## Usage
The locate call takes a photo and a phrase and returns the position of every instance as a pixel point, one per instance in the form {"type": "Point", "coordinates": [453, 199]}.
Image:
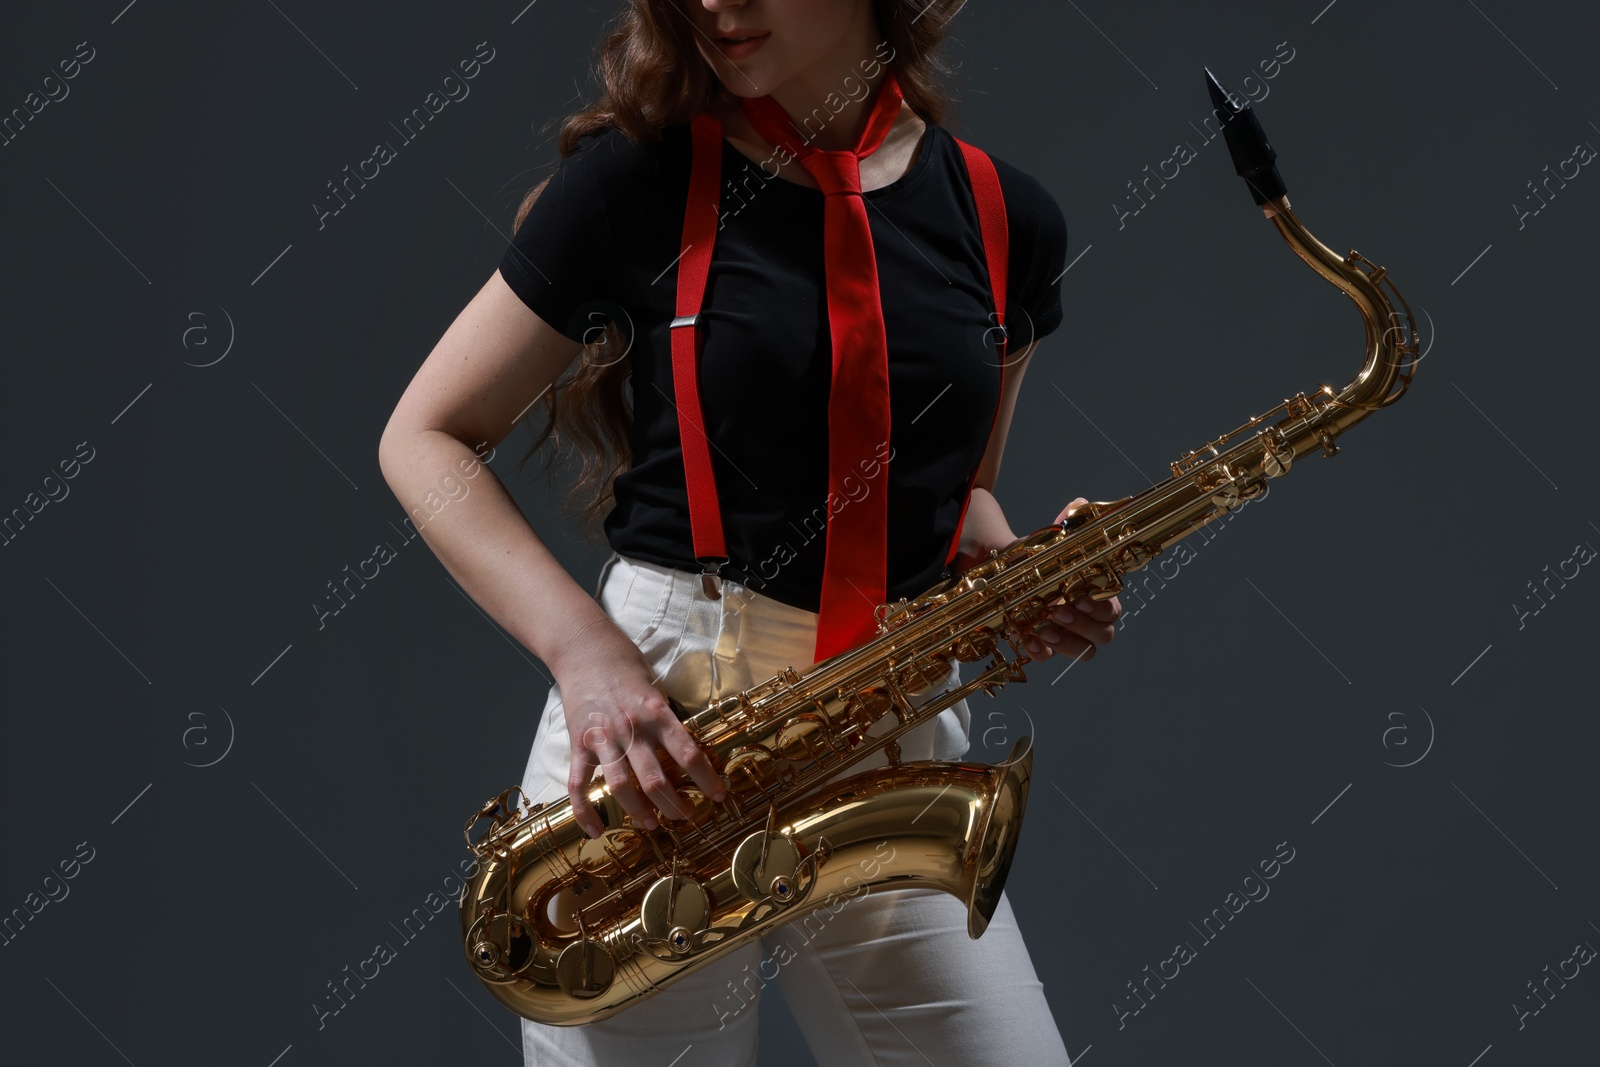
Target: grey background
{"type": "Point", "coordinates": [1364, 617]}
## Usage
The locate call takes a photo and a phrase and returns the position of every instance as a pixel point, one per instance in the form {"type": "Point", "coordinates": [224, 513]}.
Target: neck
{"type": "Point", "coordinates": [812, 96]}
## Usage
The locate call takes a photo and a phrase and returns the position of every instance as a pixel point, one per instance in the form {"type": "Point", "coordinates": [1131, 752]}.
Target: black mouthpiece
{"type": "Point", "coordinates": [1252, 153]}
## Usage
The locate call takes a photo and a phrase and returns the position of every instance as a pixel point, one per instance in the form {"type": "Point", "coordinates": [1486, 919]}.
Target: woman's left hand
{"type": "Point", "coordinates": [1078, 629]}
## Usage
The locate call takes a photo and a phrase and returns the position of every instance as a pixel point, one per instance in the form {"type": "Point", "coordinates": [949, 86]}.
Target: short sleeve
{"type": "Point", "coordinates": [1038, 255]}
{"type": "Point", "coordinates": [561, 261]}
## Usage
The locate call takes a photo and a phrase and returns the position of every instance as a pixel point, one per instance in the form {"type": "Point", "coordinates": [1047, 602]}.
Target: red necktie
{"type": "Point", "coordinates": [856, 562]}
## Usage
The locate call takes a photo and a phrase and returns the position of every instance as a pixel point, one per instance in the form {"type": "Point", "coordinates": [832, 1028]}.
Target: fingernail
{"type": "Point", "coordinates": [1052, 637]}
{"type": "Point", "coordinates": [720, 797]}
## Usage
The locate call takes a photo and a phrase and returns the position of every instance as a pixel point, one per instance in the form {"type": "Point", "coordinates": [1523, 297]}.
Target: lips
{"type": "Point", "coordinates": [737, 45]}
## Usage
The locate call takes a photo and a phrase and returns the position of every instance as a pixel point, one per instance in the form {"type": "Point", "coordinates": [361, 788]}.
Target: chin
{"type": "Point", "coordinates": [755, 81]}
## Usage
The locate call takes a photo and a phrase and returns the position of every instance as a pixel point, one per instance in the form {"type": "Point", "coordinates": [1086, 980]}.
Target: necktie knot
{"type": "Point", "coordinates": [835, 172]}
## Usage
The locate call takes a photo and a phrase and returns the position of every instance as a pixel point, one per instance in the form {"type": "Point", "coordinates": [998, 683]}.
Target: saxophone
{"type": "Point", "coordinates": [564, 929]}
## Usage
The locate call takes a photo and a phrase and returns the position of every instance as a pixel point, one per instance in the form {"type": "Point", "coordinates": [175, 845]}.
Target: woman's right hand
{"type": "Point", "coordinates": [617, 719]}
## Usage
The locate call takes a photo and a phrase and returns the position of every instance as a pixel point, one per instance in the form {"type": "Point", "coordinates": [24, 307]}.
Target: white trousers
{"type": "Point", "coordinates": [886, 977]}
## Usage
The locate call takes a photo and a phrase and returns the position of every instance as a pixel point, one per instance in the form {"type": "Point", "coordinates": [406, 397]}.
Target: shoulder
{"type": "Point", "coordinates": [1037, 233]}
{"type": "Point", "coordinates": [613, 160]}
{"type": "Point", "coordinates": [1032, 214]}
{"type": "Point", "coordinates": [1031, 209]}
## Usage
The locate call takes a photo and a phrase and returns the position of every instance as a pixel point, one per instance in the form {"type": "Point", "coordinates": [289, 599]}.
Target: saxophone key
{"type": "Point", "coordinates": [1100, 583]}
{"type": "Point", "coordinates": [765, 866]}
{"type": "Point", "coordinates": [864, 708]}
{"type": "Point", "coordinates": [752, 769]}
{"type": "Point", "coordinates": [1277, 454]}
{"type": "Point", "coordinates": [803, 738]}
{"type": "Point", "coordinates": [499, 945]}
{"type": "Point", "coordinates": [584, 969]}
{"type": "Point", "coordinates": [672, 904]}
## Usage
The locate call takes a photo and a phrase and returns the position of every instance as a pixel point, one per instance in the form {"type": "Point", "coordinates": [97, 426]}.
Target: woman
{"type": "Point", "coordinates": [593, 268]}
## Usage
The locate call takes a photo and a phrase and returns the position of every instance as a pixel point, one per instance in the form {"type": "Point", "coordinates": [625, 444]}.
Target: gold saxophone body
{"type": "Point", "coordinates": [564, 929]}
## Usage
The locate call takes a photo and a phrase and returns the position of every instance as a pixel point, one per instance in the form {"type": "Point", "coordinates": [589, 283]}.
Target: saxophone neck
{"type": "Point", "coordinates": [1392, 348]}
{"type": "Point", "coordinates": [1392, 340]}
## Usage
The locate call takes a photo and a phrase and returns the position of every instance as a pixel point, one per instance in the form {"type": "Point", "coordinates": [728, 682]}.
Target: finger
{"type": "Point", "coordinates": [1071, 640]}
{"type": "Point", "coordinates": [1104, 610]}
{"type": "Point", "coordinates": [1075, 502]}
{"type": "Point", "coordinates": [615, 767]}
{"type": "Point", "coordinates": [1051, 634]}
{"type": "Point", "coordinates": [655, 784]}
{"type": "Point", "coordinates": [1085, 607]}
{"type": "Point", "coordinates": [579, 778]}
{"type": "Point", "coordinates": [1074, 648]}
{"type": "Point", "coordinates": [682, 747]}
{"type": "Point", "coordinates": [1098, 632]}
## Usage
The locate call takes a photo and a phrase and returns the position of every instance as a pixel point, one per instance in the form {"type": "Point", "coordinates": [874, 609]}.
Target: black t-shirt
{"type": "Point", "coordinates": [602, 242]}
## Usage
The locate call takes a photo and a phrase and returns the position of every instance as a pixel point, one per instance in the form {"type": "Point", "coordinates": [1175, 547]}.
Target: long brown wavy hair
{"type": "Point", "coordinates": [653, 76]}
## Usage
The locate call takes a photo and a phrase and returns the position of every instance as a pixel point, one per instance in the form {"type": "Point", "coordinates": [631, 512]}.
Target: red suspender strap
{"type": "Point", "coordinates": [996, 248]}
{"type": "Point", "coordinates": [694, 264]}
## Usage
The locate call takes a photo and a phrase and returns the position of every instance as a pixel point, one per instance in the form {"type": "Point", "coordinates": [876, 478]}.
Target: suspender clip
{"type": "Point", "coordinates": [711, 575]}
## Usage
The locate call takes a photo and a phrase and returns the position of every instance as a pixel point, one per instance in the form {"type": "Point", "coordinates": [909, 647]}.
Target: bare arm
{"type": "Point", "coordinates": [1076, 632]}
{"type": "Point", "coordinates": [492, 361]}
{"type": "Point", "coordinates": [496, 359]}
